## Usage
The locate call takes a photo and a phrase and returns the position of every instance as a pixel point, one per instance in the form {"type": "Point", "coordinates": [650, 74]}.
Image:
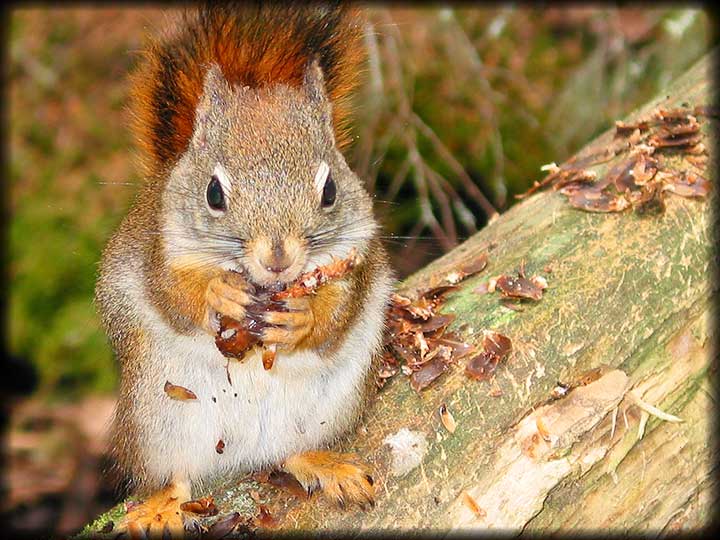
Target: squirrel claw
{"type": "Point", "coordinates": [227, 294]}
{"type": "Point", "coordinates": [341, 477]}
{"type": "Point", "coordinates": [159, 516]}
{"type": "Point", "coordinates": [289, 328]}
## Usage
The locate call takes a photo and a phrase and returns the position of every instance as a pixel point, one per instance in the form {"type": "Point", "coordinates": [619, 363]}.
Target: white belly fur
{"type": "Point", "coordinates": [303, 402]}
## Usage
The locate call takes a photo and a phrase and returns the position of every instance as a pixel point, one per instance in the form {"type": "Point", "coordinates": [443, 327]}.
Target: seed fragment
{"type": "Point", "coordinates": [179, 393]}
{"type": "Point", "coordinates": [447, 418]}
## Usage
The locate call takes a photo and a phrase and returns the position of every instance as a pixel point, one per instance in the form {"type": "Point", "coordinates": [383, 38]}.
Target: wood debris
{"type": "Point", "coordinates": [519, 287]}
{"type": "Point", "coordinates": [418, 343]}
{"type": "Point", "coordinates": [223, 527]}
{"type": "Point", "coordinates": [287, 482]}
{"type": "Point", "coordinates": [447, 419]}
{"type": "Point", "coordinates": [264, 518]}
{"type": "Point", "coordinates": [235, 338]}
{"type": "Point", "coordinates": [204, 506]}
{"type": "Point", "coordinates": [642, 176]}
{"type": "Point", "coordinates": [496, 347]}
{"type": "Point", "coordinates": [472, 504]}
{"type": "Point", "coordinates": [179, 393]}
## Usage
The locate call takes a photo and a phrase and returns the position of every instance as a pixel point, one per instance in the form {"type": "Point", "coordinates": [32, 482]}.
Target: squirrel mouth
{"type": "Point", "coordinates": [268, 277]}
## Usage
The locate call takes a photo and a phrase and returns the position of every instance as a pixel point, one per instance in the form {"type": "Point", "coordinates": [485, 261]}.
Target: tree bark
{"type": "Point", "coordinates": [626, 292]}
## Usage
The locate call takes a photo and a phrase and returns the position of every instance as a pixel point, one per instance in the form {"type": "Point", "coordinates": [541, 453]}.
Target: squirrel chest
{"type": "Point", "coordinates": [261, 416]}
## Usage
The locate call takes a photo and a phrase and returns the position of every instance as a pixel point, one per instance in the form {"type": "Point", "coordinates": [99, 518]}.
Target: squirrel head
{"type": "Point", "coordinates": [262, 186]}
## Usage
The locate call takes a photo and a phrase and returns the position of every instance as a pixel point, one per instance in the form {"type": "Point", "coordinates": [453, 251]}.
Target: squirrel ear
{"type": "Point", "coordinates": [215, 87]}
{"type": "Point", "coordinates": [214, 99]}
{"type": "Point", "coordinates": [314, 83]}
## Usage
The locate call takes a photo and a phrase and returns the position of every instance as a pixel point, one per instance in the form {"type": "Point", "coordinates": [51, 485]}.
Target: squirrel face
{"type": "Point", "coordinates": [262, 187]}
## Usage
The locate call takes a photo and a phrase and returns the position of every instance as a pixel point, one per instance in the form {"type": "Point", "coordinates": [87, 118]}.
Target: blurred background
{"type": "Point", "coordinates": [460, 108]}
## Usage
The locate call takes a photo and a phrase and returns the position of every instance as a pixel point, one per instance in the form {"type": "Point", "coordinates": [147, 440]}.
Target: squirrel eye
{"type": "Point", "coordinates": [215, 195]}
{"type": "Point", "coordinates": [329, 193]}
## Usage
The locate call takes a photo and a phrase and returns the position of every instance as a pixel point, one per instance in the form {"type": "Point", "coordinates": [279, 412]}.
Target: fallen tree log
{"type": "Point", "coordinates": [624, 325]}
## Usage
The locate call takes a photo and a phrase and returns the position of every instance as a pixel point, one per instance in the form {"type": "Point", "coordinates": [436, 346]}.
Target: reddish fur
{"type": "Point", "coordinates": [254, 46]}
{"type": "Point", "coordinates": [330, 314]}
{"type": "Point", "coordinates": [186, 290]}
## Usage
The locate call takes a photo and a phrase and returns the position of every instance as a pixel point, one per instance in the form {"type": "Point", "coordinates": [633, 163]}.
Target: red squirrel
{"type": "Point", "coordinates": [239, 111]}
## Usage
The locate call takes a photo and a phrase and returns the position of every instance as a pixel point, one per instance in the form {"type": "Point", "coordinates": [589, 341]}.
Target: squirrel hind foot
{"type": "Point", "coordinates": [159, 516]}
{"type": "Point", "coordinates": [342, 478]}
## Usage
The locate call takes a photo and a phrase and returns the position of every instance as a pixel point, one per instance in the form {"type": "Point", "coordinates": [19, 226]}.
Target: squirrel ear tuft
{"type": "Point", "coordinates": [214, 99]}
{"type": "Point", "coordinates": [215, 89]}
{"type": "Point", "coordinates": [314, 82]}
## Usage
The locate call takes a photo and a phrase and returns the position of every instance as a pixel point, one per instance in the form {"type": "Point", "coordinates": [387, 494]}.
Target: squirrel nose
{"type": "Point", "coordinates": [277, 260]}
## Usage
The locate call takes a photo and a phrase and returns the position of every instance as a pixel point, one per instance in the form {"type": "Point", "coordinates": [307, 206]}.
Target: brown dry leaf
{"type": "Point", "coordinates": [264, 518]}
{"type": "Point", "coordinates": [495, 348]}
{"type": "Point", "coordinates": [288, 482]}
{"type": "Point", "coordinates": [597, 201]}
{"type": "Point", "coordinates": [459, 348]}
{"type": "Point", "coordinates": [447, 418]}
{"type": "Point", "coordinates": [399, 300]}
{"type": "Point", "coordinates": [576, 177]}
{"type": "Point", "coordinates": [650, 199]}
{"type": "Point", "coordinates": [518, 287]}
{"type": "Point", "coordinates": [623, 177]}
{"type": "Point", "coordinates": [204, 506]}
{"type": "Point", "coordinates": [497, 343]}
{"type": "Point", "coordinates": [474, 266]}
{"type": "Point", "coordinates": [436, 322]}
{"type": "Point", "coordinates": [386, 369]}
{"type": "Point", "coordinates": [179, 393]}
{"type": "Point", "coordinates": [644, 169]}
{"type": "Point", "coordinates": [482, 366]}
{"type": "Point", "coordinates": [668, 141]}
{"type": "Point", "coordinates": [688, 184]}
{"type": "Point", "coordinates": [405, 350]}
{"type": "Point", "coordinates": [224, 526]}
{"type": "Point", "coordinates": [627, 128]}
{"type": "Point", "coordinates": [676, 130]}
{"type": "Point", "coordinates": [430, 371]}
{"type": "Point", "coordinates": [420, 309]}
{"type": "Point", "coordinates": [435, 293]}
{"type": "Point", "coordinates": [674, 115]}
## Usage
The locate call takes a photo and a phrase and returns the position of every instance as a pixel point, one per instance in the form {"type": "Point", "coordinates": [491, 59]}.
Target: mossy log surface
{"type": "Point", "coordinates": [627, 292]}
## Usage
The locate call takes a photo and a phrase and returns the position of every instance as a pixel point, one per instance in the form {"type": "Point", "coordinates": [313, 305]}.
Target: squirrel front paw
{"type": "Point", "coordinates": [289, 328]}
{"type": "Point", "coordinates": [227, 294]}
